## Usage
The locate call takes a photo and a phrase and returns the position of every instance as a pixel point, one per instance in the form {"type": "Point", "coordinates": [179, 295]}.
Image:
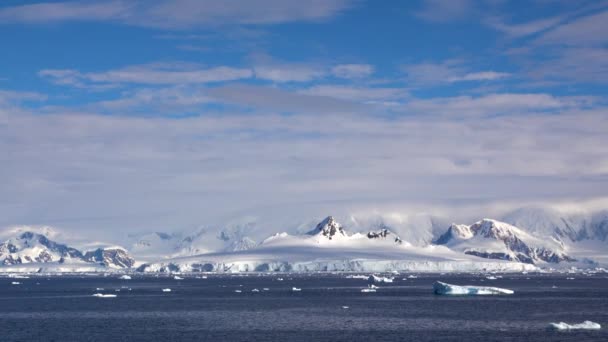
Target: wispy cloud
{"type": "Point", "coordinates": [352, 71]}
{"type": "Point", "coordinates": [358, 94]}
{"type": "Point", "coordinates": [176, 14]}
{"type": "Point", "coordinates": [442, 11]}
{"type": "Point", "coordinates": [159, 74]}
{"type": "Point", "coordinates": [449, 71]}
{"type": "Point", "coordinates": [480, 76]}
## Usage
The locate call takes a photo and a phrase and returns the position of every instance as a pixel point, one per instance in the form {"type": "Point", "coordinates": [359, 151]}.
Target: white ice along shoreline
{"type": "Point", "coordinates": [586, 325]}
{"type": "Point", "coordinates": [485, 246]}
{"type": "Point", "coordinates": [442, 288]}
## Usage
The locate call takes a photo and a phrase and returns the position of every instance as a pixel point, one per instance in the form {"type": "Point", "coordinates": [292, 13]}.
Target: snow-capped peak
{"type": "Point", "coordinates": [329, 228]}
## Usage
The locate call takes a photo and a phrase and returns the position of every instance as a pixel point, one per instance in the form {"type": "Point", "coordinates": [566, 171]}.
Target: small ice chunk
{"type": "Point", "coordinates": [295, 289]}
{"type": "Point", "coordinates": [238, 291]}
{"type": "Point", "coordinates": [15, 283]}
{"type": "Point", "coordinates": [441, 288]}
{"type": "Point", "coordinates": [255, 290]}
{"type": "Point", "coordinates": [265, 289]}
{"type": "Point", "coordinates": [491, 278]}
{"type": "Point", "coordinates": [178, 278]}
{"type": "Point", "coordinates": [99, 289]}
{"type": "Point", "coordinates": [586, 325]}
{"type": "Point", "coordinates": [279, 279]}
{"type": "Point", "coordinates": [411, 276]}
{"type": "Point", "coordinates": [368, 290]}
{"type": "Point", "coordinates": [166, 290]}
{"type": "Point", "coordinates": [372, 279]}
{"type": "Point", "coordinates": [125, 277]}
{"type": "Point", "coordinates": [101, 295]}
{"type": "Point", "coordinates": [345, 307]}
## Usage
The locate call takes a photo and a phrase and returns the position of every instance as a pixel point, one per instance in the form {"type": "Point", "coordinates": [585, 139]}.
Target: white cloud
{"type": "Point", "coordinates": [480, 76]}
{"type": "Point", "coordinates": [158, 74]}
{"type": "Point", "coordinates": [496, 104]}
{"type": "Point", "coordinates": [351, 71]}
{"type": "Point", "coordinates": [177, 14]}
{"type": "Point", "coordinates": [85, 170]}
{"type": "Point", "coordinates": [358, 94]}
{"type": "Point", "coordinates": [449, 71]}
{"type": "Point", "coordinates": [287, 73]}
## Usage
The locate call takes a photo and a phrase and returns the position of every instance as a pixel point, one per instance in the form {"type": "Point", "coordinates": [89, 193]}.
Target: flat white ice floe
{"type": "Point", "coordinates": [368, 290]}
{"type": "Point", "coordinates": [166, 290]}
{"type": "Point", "coordinates": [15, 283]}
{"type": "Point", "coordinates": [586, 325]}
{"type": "Point", "coordinates": [101, 295]}
{"type": "Point", "coordinates": [238, 291]}
{"type": "Point", "coordinates": [442, 288]}
{"type": "Point", "coordinates": [296, 289]}
{"type": "Point", "coordinates": [178, 278]}
{"type": "Point", "coordinates": [125, 277]}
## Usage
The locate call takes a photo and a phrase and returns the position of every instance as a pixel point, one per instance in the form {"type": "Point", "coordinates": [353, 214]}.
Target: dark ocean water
{"type": "Point", "coordinates": [62, 309]}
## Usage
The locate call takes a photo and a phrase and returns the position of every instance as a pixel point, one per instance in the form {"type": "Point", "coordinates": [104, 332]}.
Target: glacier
{"type": "Point", "coordinates": [442, 288]}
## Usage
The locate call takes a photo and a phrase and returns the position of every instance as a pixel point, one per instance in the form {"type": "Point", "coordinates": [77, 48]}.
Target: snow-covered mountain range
{"type": "Point", "coordinates": [523, 239]}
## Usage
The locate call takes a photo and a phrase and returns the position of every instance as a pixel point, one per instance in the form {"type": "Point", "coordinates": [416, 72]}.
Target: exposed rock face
{"type": "Point", "coordinates": [383, 234]}
{"type": "Point", "coordinates": [30, 247]}
{"type": "Point", "coordinates": [516, 245]}
{"type": "Point", "coordinates": [110, 257]}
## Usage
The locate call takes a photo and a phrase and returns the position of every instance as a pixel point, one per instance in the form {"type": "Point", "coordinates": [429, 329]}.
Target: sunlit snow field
{"type": "Point", "coordinates": [250, 307]}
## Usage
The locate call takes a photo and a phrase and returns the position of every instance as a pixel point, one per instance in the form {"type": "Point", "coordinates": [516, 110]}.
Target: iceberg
{"type": "Point", "coordinates": [15, 283]}
{"type": "Point", "coordinates": [442, 288]}
{"type": "Point", "coordinates": [586, 325]}
{"type": "Point", "coordinates": [166, 290]}
{"type": "Point", "coordinates": [238, 291]}
{"type": "Point", "coordinates": [101, 295]}
{"type": "Point", "coordinates": [295, 289]}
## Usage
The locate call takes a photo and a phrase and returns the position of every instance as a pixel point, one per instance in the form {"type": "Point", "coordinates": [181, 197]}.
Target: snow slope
{"type": "Point", "coordinates": [498, 240]}
{"type": "Point", "coordinates": [330, 248]}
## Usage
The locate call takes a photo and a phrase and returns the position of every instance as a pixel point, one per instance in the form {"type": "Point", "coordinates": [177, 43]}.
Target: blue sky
{"type": "Point", "coordinates": [169, 113]}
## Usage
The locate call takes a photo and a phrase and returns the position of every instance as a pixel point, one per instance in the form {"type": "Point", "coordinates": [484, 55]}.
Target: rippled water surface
{"type": "Point", "coordinates": [63, 309]}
